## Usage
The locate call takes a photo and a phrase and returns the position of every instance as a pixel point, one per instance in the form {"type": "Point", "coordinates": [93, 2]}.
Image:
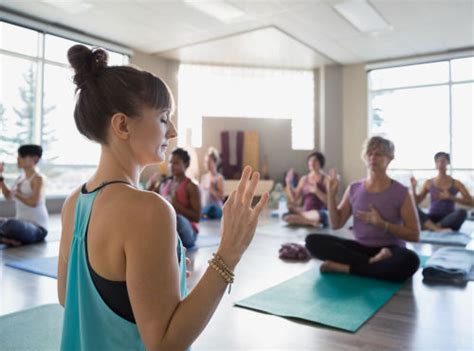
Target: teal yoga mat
{"type": "Point", "coordinates": [36, 329]}
{"type": "Point", "coordinates": [336, 300]}
{"type": "Point", "coordinates": [47, 266]}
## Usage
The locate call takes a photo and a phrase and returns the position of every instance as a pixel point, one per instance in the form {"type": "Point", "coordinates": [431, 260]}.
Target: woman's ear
{"type": "Point", "coordinates": [120, 126]}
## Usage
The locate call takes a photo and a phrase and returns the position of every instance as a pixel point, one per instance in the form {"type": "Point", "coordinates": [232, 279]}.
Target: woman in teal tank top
{"type": "Point", "coordinates": [118, 238]}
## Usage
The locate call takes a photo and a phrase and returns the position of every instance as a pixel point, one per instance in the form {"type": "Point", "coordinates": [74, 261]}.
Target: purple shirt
{"type": "Point", "coordinates": [441, 208]}
{"type": "Point", "coordinates": [388, 203]}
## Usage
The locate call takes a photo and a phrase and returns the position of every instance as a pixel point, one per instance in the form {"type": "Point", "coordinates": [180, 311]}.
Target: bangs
{"type": "Point", "coordinates": [158, 95]}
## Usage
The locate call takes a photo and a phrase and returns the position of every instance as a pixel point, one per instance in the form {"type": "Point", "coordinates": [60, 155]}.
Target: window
{"type": "Point", "coordinates": [37, 104]}
{"type": "Point", "coordinates": [423, 109]}
{"type": "Point", "coordinates": [247, 93]}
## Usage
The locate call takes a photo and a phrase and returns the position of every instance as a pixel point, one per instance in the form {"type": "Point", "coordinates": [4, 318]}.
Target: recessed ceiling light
{"type": "Point", "coordinates": [71, 6]}
{"type": "Point", "coordinates": [219, 9]}
{"type": "Point", "coordinates": [362, 15]}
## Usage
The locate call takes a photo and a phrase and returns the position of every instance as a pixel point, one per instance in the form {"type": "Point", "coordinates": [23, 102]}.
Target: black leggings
{"type": "Point", "coordinates": [401, 265]}
{"type": "Point", "coordinates": [454, 220]}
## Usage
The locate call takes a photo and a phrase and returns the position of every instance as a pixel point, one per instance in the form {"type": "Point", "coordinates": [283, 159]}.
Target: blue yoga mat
{"type": "Point", "coordinates": [47, 266]}
{"type": "Point", "coordinates": [337, 300]}
{"type": "Point", "coordinates": [454, 238]}
{"type": "Point", "coordinates": [36, 329]}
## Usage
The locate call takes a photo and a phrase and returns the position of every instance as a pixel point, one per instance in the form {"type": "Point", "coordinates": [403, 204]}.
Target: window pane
{"type": "Point", "coordinates": [18, 39]}
{"type": "Point", "coordinates": [62, 142]}
{"type": "Point", "coordinates": [416, 120]}
{"type": "Point", "coordinates": [69, 158]}
{"type": "Point", "coordinates": [463, 125]}
{"type": "Point", "coordinates": [56, 50]}
{"type": "Point", "coordinates": [462, 69]}
{"type": "Point", "coordinates": [424, 74]}
{"type": "Point", "coordinates": [467, 178]}
{"type": "Point", "coordinates": [17, 105]}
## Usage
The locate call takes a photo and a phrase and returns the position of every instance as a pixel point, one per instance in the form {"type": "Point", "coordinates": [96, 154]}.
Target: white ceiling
{"type": "Point", "coordinates": [273, 33]}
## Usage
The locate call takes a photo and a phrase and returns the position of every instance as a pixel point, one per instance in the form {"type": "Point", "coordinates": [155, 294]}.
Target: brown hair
{"type": "Point", "coordinates": [104, 91]}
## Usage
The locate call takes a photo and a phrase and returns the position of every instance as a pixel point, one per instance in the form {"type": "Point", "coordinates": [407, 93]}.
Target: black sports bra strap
{"type": "Point", "coordinates": [103, 185]}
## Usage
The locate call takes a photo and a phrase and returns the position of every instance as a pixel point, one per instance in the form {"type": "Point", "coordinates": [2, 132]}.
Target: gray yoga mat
{"type": "Point", "coordinates": [454, 238]}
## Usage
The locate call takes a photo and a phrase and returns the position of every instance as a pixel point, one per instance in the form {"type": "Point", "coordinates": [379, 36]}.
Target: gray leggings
{"type": "Point", "coordinates": [454, 220]}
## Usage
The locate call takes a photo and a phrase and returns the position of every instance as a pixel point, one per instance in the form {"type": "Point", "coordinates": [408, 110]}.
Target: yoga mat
{"type": "Point", "coordinates": [3, 246]}
{"type": "Point", "coordinates": [454, 238]}
{"type": "Point", "coordinates": [337, 300]}
{"type": "Point", "coordinates": [47, 266]}
{"type": "Point", "coordinates": [36, 329]}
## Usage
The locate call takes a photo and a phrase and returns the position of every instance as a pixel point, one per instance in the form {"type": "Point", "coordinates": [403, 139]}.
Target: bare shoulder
{"type": "Point", "coordinates": [145, 207]}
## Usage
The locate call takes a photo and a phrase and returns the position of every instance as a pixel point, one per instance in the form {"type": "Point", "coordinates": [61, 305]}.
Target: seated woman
{"type": "Point", "coordinates": [184, 195]}
{"type": "Point", "coordinates": [384, 219]}
{"type": "Point", "coordinates": [31, 222]}
{"type": "Point", "coordinates": [443, 190]}
{"type": "Point", "coordinates": [311, 191]}
{"type": "Point", "coordinates": [212, 187]}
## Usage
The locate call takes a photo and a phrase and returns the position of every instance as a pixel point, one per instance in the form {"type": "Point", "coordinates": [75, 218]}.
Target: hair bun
{"type": "Point", "coordinates": [86, 63]}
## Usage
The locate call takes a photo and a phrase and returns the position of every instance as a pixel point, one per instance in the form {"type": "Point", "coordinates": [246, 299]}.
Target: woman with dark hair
{"type": "Point", "coordinates": [443, 190]}
{"type": "Point", "coordinates": [311, 192]}
{"type": "Point", "coordinates": [121, 271]}
{"type": "Point", "coordinates": [184, 195]}
{"type": "Point", "coordinates": [384, 219]}
{"type": "Point", "coordinates": [30, 224]}
{"type": "Point", "coordinates": [212, 187]}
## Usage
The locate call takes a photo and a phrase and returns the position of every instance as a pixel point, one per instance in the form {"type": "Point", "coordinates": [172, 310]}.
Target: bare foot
{"type": "Point", "coordinates": [10, 241]}
{"type": "Point", "coordinates": [331, 266]}
{"type": "Point", "coordinates": [444, 230]}
{"type": "Point", "coordinates": [299, 220]}
{"type": "Point", "coordinates": [382, 255]}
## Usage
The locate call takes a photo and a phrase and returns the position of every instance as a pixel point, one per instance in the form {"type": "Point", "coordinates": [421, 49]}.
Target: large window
{"type": "Point", "coordinates": [214, 91]}
{"type": "Point", "coordinates": [37, 104]}
{"type": "Point", "coordinates": [426, 108]}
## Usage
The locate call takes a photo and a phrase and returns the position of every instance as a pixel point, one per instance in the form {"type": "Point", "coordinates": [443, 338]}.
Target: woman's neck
{"type": "Point", "coordinates": [115, 167]}
{"type": "Point", "coordinates": [379, 178]}
{"type": "Point", "coordinates": [29, 171]}
{"type": "Point", "coordinates": [179, 177]}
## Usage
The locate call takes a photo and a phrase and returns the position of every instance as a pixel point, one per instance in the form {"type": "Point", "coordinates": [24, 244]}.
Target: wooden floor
{"type": "Point", "coordinates": [418, 317]}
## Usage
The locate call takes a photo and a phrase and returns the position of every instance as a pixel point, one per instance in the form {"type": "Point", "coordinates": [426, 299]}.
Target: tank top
{"type": "Point", "coordinates": [36, 214]}
{"type": "Point", "coordinates": [89, 324]}
{"type": "Point", "coordinates": [206, 197]}
{"type": "Point", "coordinates": [387, 202]}
{"type": "Point", "coordinates": [310, 200]}
{"type": "Point", "coordinates": [170, 189]}
{"type": "Point", "coordinates": [441, 208]}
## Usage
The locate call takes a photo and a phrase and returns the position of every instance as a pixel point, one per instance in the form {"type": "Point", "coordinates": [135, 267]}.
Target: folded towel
{"type": "Point", "coordinates": [450, 264]}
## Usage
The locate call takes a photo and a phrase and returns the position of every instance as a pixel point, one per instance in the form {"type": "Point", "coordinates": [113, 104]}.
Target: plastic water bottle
{"type": "Point", "coordinates": [282, 205]}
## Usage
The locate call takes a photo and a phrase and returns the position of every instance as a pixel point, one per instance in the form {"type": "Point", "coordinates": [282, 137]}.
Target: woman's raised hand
{"type": "Point", "coordinates": [332, 182]}
{"type": "Point", "coordinates": [239, 218]}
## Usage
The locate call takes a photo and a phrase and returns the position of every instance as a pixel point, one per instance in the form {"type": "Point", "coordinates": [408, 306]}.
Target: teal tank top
{"type": "Point", "coordinates": [89, 324]}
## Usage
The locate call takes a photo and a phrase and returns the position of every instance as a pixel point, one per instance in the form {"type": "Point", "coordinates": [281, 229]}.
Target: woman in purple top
{"type": "Point", "coordinates": [443, 190]}
{"type": "Point", "coordinates": [311, 192]}
{"type": "Point", "coordinates": [384, 219]}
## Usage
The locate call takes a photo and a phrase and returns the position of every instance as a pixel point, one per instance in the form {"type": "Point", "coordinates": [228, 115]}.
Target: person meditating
{"type": "Point", "coordinates": [184, 195]}
{"type": "Point", "coordinates": [443, 190]}
{"type": "Point", "coordinates": [311, 191]}
{"type": "Point", "coordinates": [212, 187]}
{"type": "Point", "coordinates": [30, 224]}
{"type": "Point", "coordinates": [384, 219]}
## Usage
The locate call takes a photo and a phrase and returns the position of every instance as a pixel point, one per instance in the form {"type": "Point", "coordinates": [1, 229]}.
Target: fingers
{"type": "Point", "coordinates": [250, 191]}
{"type": "Point", "coordinates": [231, 199]}
{"type": "Point", "coordinates": [243, 181]}
{"type": "Point", "coordinates": [261, 204]}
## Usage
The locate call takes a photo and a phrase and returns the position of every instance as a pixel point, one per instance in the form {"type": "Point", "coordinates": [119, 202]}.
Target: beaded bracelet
{"type": "Point", "coordinates": [221, 267]}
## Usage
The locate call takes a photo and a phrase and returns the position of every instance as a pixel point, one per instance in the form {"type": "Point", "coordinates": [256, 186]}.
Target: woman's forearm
{"type": "Point", "coordinates": [401, 231]}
